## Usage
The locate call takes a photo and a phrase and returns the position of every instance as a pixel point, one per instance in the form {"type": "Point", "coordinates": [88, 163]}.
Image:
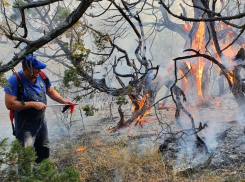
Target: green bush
{"type": "Point", "coordinates": [89, 110]}
{"type": "Point", "coordinates": [14, 157]}
{"type": "Point", "coordinates": [3, 80]}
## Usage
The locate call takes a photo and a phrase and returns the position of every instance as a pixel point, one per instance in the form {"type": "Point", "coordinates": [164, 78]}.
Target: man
{"type": "Point", "coordinates": [30, 122]}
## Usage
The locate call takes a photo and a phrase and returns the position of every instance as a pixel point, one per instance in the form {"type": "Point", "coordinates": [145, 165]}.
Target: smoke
{"type": "Point", "coordinates": [5, 124]}
{"type": "Point", "coordinates": [227, 62]}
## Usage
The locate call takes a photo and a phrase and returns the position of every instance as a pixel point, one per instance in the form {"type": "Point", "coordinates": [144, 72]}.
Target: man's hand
{"type": "Point", "coordinates": [12, 103]}
{"type": "Point", "coordinates": [39, 105]}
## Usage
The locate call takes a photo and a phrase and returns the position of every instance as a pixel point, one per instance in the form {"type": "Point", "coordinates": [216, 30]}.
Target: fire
{"type": "Point", "coordinates": [131, 132]}
{"type": "Point", "coordinates": [199, 77]}
{"type": "Point", "coordinates": [184, 80]}
{"type": "Point", "coordinates": [188, 64]}
{"type": "Point", "coordinates": [198, 66]}
{"type": "Point", "coordinates": [230, 33]}
{"type": "Point", "coordinates": [230, 76]}
{"type": "Point", "coordinates": [218, 102]}
{"type": "Point", "coordinates": [230, 52]}
{"type": "Point", "coordinates": [199, 44]}
{"type": "Point", "coordinates": [141, 104]}
{"type": "Point", "coordinates": [186, 27]}
{"type": "Point", "coordinates": [97, 143]}
{"type": "Point", "coordinates": [160, 106]}
{"type": "Point", "coordinates": [82, 148]}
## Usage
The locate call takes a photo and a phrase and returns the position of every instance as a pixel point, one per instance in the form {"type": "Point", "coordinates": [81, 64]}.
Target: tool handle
{"type": "Point", "coordinates": [65, 108]}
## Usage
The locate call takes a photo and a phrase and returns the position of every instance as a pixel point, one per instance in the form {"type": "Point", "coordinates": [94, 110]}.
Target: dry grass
{"type": "Point", "coordinates": [119, 161]}
{"type": "Point", "coordinates": [116, 162]}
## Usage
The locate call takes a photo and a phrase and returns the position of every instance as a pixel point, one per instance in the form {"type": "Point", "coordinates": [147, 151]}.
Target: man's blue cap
{"type": "Point", "coordinates": [35, 62]}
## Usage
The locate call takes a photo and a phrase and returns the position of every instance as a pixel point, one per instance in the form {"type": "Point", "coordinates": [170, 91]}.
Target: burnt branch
{"type": "Point", "coordinates": [121, 75]}
{"type": "Point", "coordinates": [127, 18]}
{"type": "Point", "coordinates": [105, 10]}
{"type": "Point", "coordinates": [36, 4]}
{"type": "Point", "coordinates": [224, 70]}
{"type": "Point", "coordinates": [35, 45]}
{"type": "Point", "coordinates": [239, 35]}
{"type": "Point", "coordinates": [218, 18]}
{"type": "Point", "coordinates": [123, 51]}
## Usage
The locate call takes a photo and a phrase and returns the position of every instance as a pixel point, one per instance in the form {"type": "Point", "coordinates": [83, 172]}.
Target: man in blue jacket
{"type": "Point", "coordinates": [30, 121]}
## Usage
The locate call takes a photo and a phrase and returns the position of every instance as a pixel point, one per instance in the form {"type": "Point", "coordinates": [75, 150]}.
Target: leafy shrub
{"type": "Point", "coordinates": [71, 76]}
{"type": "Point", "coordinates": [121, 100]}
{"type": "Point", "coordinates": [15, 158]}
{"type": "Point", "coordinates": [89, 110]}
{"type": "Point", "coordinates": [3, 80]}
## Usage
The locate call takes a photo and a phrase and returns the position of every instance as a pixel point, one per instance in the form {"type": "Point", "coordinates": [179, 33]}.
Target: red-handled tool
{"type": "Point", "coordinates": [67, 106]}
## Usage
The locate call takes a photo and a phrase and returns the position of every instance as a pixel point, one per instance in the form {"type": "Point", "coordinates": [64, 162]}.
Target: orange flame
{"type": "Point", "coordinates": [97, 143]}
{"type": "Point", "coordinates": [186, 27]}
{"type": "Point", "coordinates": [184, 80]}
{"type": "Point", "coordinates": [199, 77]}
{"type": "Point", "coordinates": [82, 148]}
{"type": "Point", "coordinates": [199, 37]}
{"type": "Point", "coordinates": [131, 132]}
{"type": "Point", "coordinates": [230, 52]}
{"type": "Point", "coordinates": [141, 104]}
{"type": "Point", "coordinates": [188, 64]}
{"type": "Point", "coordinates": [199, 44]}
{"type": "Point", "coordinates": [230, 77]}
{"type": "Point", "coordinates": [218, 103]}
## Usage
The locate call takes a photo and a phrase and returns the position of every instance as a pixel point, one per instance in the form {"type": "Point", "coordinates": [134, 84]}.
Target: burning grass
{"type": "Point", "coordinates": [115, 162]}
{"type": "Point", "coordinates": [122, 161]}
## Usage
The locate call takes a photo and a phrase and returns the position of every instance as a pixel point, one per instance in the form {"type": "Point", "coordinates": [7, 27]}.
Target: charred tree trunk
{"type": "Point", "coordinates": [191, 90]}
{"type": "Point", "coordinates": [237, 90]}
{"type": "Point", "coordinates": [205, 81]}
{"type": "Point", "coordinates": [238, 87]}
{"type": "Point", "coordinates": [221, 81]}
{"type": "Point", "coordinates": [199, 39]}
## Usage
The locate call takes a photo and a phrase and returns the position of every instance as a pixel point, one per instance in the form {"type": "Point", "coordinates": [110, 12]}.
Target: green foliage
{"type": "Point", "coordinates": [6, 3]}
{"type": "Point", "coordinates": [20, 2]}
{"type": "Point", "coordinates": [130, 89]}
{"type": "Point", "coordinates": [100, 40]}
{"type": "Point", "coordinates": [78, 98]}
{"type": "Point", "coordinates": [80, 57]}
{"type": "Point", "coordinates": [64, 44]}
{"type": "Point", "coordinates": [62, 14]}
{"type": "Point", "coordinates": [69, 175]}
{"type": "Point", "coordinates": [81, 54]}
{"type": "Point", "coordinates": [23, 158]}
{"type": "Point", "coordinates": [102, 61]}
{"type": "Point", "coordinates": [16, 13]}
{"type": "Point", "coordinates": [89, 110]}
{"type": "Point", "coordinates": [121, 100]}
{"type": "Point", "coordinates": [3, 80]}
{"type": "Point", "coordinates": [71, 77]}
